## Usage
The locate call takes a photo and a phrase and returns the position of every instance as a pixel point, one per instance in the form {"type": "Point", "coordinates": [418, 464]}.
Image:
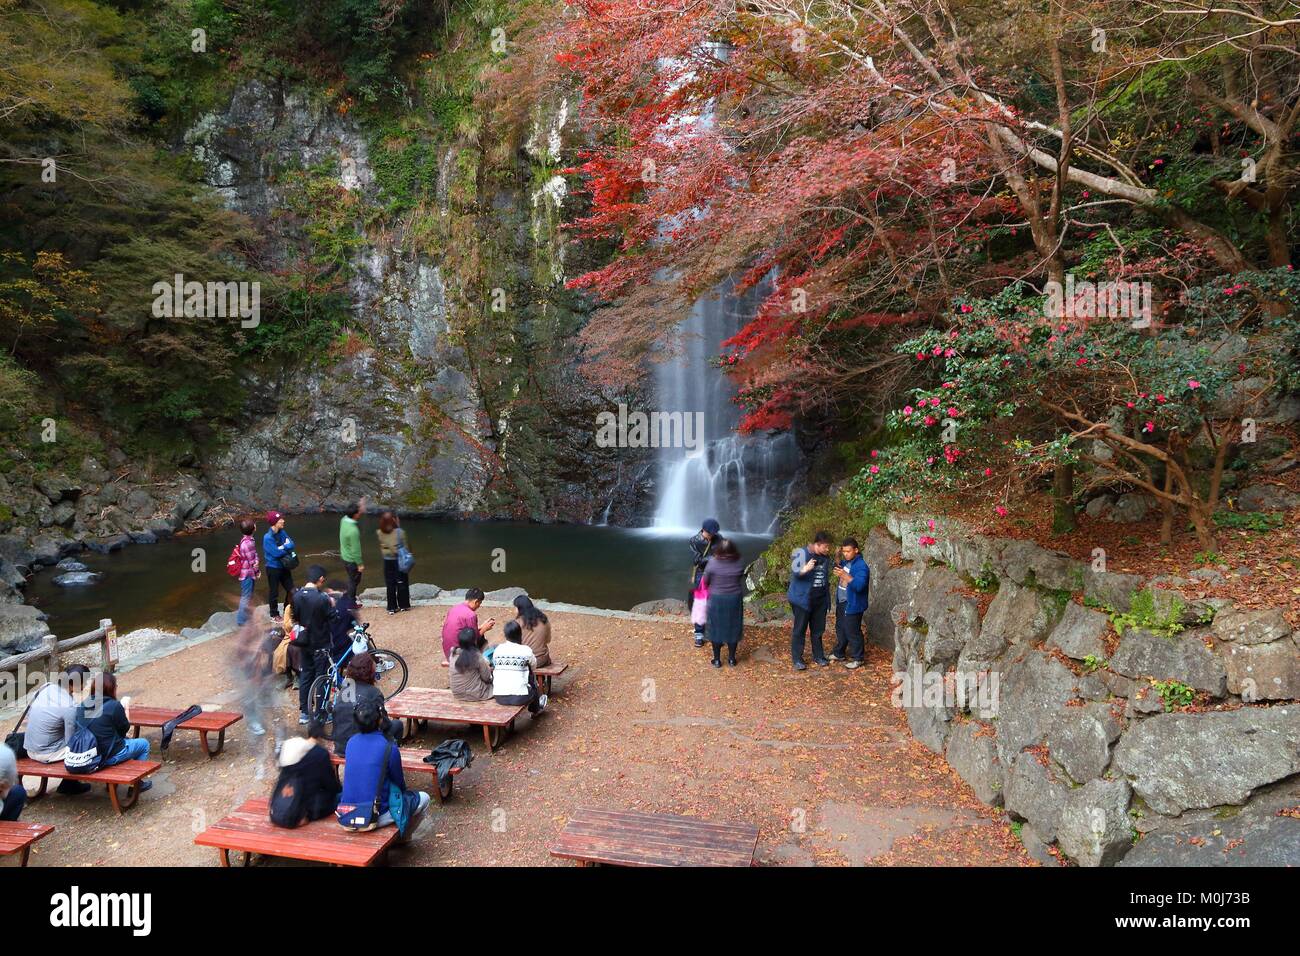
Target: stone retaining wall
{"type": "Point", "coordinates": [1023, 698]}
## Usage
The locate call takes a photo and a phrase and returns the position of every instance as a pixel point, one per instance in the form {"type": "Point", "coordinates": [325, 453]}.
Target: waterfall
{"type": "Point", "coordinates": [741, 480]}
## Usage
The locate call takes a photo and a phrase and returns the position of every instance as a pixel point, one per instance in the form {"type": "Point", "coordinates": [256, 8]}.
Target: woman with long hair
{"type": "Point", "coordinates": [469, 672]}
{"type": "Point", "coordinates": [535, 627]}
{"type": "Point", "coordinates": [396, 581]}
{"type": "Point", "coordinates": [724, 576]}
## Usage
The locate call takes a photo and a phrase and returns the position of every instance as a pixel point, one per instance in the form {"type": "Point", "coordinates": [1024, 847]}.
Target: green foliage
{"type": "Point", "coordinates": [1144, 613]}
{"type": "Point", "coordinates": [1091, 663]}
{"type": "Point", "coordinates": [1249, 520]}
{"type": "Point", "coordinates": [1207, 557]}
{"type": "Point", "coordinates": [1174, 694]}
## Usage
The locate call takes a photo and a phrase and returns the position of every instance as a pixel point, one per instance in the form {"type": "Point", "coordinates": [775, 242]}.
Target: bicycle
{"type": "Point", "coordinates": [391, 674]}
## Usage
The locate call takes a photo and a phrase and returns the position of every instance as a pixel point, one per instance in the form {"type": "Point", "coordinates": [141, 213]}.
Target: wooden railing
{"type": "Point", "coordinates": [51, 647]}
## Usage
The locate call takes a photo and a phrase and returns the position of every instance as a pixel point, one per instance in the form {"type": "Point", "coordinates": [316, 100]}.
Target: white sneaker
{"type": "Point", "coordinates": [255, 728]}
{"type": "Point", "coordinates": [541, 703]}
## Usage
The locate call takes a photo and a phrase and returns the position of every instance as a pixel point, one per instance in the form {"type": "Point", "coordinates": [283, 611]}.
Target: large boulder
{"type": "Point", "coordinates": [1035, 794]}
{"type": "Point", "coordinates": [1244, 626]}
{"type": "Point", "coordinates": [1130, 508]}
{"type": "Point", "coordinates": [1079, 739]}
{"type": "Point", "coordinates": [1095, 829]}
{"type": "Point", "coordinates": [505, 595]}
{"type": "Point", "coordinates": [666, 607]}
{"type": "Point", "coordinates": [1021, 615]}
{"type": "Point", "coordinates": [1265, 497]}
{"type": "Point", "coordinates": [57, 487]}
{"type": "Point", "coordinates": [1111, 588]}
{"type": "Point", "coordinates": [1079, 633]}
{"type": "Point", "coordinates": [92, 472]}
{"type": "Point", "coordinates": [973, 754]}
{"type": "Point", "coordinates": [74, 579]}
{"type": "Point", "coordinates": [1260, 835]}
{"type": "Point", "coordinates": [221, 622]}
{"type": "Point", "coordinates": [21, 628]}
{"type": "Point", "coordinates": [1264, 671]}
{"type": "Point", "coordinates": [1031, 690]}
{"type": "Point", "coordinates": [1183, 657]}
{"type": "Point", "coordinates": [950, 618]}
{"type": "Point", "coordinates": [890, 586]}
{"type": "Point", "coordinates": [1179, 762]}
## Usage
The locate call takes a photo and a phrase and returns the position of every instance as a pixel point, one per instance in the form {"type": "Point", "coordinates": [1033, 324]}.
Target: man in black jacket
{"type": "Point", "coordinates": [107, 719]}
{"type": "Point", "coordinates": [313, 609]}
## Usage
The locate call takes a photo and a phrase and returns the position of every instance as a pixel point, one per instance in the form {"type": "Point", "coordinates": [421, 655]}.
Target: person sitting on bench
{"type": "Point", "coordinates": [358, 688]}
{"type": "Point", "coordinates": [110, 725]}
{"type": "Point", "coordinates": [470, 673]}
{"type": "Point", "coordinates": [513, 680]}
{"type": "Point", "coordinates": [12, 795]}
{"type": "Point", "coordinates": [536, 628]}
{"type": "Point", "coordinates": [364, 773]}
{"type": "Point", "coordinates": [307, 788]}
{"type": "Point", "coordinates": [52, 719]}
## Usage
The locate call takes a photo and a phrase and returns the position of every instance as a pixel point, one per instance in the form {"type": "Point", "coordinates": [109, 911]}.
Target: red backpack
{"type": "Point", "coordinates": [235, 563]}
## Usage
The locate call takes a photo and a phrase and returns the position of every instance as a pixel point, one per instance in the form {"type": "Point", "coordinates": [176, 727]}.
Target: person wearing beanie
{"type": "Point", "coordinates": [277, 547]}
{"type": "Point", "coordinates": [701, 550]}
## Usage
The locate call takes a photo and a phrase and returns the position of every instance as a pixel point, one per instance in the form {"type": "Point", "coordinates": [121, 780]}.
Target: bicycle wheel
{"type": "Point", "coordinates": [390, 672]}
{"type": "Point", "coordinates": [320, 699]}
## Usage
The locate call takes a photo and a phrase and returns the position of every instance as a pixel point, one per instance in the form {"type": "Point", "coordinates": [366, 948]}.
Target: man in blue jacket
{"type": "Point", "coordinates": [809, 596]}
{"type": "Point", "coordinates": [277, 547]}
{"type": "Point", "coordinates": [850, 604]}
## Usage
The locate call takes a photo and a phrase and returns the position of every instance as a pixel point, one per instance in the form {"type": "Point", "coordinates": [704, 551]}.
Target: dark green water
{"type": "Point", "coordinates": [153, 585]}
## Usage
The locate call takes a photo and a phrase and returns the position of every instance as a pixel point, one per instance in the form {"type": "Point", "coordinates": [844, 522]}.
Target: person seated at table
{"type": "Point", "coordinates": [365, 774]}
{"type": "Point", "coordinates": [107, 719]}
{"type": "Point", "coordinates": [513, 680]}
{"type": "Point", "coordinates": [536, 628]}
{"type": "Point", "coordinates": [52, 719]}
{"type": "Point", "coordinates": [469, 673]}
{"type": "Point", "coordinates": [306, 770]}
{"type": "Point", "coordinates": [358, 688]}
{"type": "Point", "coordinates": [461, 615]}
{"type": "Point", "coordinates": [12, 795]}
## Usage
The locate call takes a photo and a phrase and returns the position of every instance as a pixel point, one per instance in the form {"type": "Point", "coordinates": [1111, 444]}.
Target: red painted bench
{"type": "Point", "coordinates": [249, 830]}
{"type": "Point", "coordinates": [628, 838]}
{"type": "Point", "coordinates": [413, 762]}
{"type": "Point", "coordinates": [19, 837]}
{"type": "Point", "coordinates": [214, 722]}
{"type": "Point", "coordinates": [437, 704]}
{"type": "Point", "coordinates": [127, 774]}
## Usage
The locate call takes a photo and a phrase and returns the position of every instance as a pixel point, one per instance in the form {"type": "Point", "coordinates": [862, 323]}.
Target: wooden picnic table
{"type": "Point", "coordinates": [437, 704]}
{"type": "Point", "coordinates": [630, 838]}
{"type": "Point", "coordinates": [18, 838]}
{"type": "Point", "coordinates": [249, 830]}
{"type": "Point", "coordinates": [208, 722]}
{"type": "Point", "coordinates": [127, 774]}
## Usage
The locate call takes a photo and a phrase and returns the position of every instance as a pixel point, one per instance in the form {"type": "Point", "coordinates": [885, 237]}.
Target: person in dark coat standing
{"type": "Point", "coordinates": [313, 609]}
{"type": "Point", "coordinates": [701, 544]}
{"type": "Point", "coordinates": [724, 576]}
{"type": "Point", "coordinates": [809, 596]}
{"type": "Point", "coordinates": [850, 604]}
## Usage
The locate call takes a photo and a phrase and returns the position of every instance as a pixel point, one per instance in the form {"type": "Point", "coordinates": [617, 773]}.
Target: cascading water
{"type": "Point", "coordinates": [742, 481]}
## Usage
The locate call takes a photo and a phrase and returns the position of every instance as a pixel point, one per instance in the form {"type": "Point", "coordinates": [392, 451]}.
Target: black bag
{"type": "Point", "coordinates": [289, 561]}
{"type": "Point", "coordinates": [16, 738]}
{"type": "Point", "coordinates": [288, 802]}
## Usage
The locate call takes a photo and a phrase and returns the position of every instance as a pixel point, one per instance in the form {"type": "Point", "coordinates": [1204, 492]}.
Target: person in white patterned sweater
{"type": "Point", "coordinates": [513, 679]}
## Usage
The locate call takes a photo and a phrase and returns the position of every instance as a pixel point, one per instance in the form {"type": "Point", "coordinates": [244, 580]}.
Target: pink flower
{"type": "Point", "coordinates": [952, 412]}
{"type": "Point", "coordinates": [1130, 405]}
{"type": "Point", "coordinates": [949, 353]}
{"type": "Point", "coordinates": [907, 410]}
{"type": "Point", "coordinates": [930, 420]}
{"type": "Point", "coordinates": [937, 350]}
{"type": "Point", "coordinates": [965, 308]}
{"type": "Point", "coordinates": [925, 541]}
{"type": "Point", "coordinates": [930, 460]}
{"type": "Point", "coordinates": [874, 453]}
{"type": "Point", "coordinates": [930, 524]}
{"type": "Point", "coordinates": [1160, 399]}
{"type": "Point", "coordinates": [1149, 427]}
{"type": "Point", "coordinates": [949, 384]}
{"type": "Point", "coordinates": [988, 472]}
{"type": "Point", "coordinates": [920, 356]}
{"type": "Point", "coordinates": [1193, 383]}
{"type": "Point", "coordinates": [875, 469]}
{"type": "Point", "coordinates": [1002, 512]}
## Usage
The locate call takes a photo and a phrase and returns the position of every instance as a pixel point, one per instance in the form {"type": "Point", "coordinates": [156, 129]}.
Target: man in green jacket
{"type": "Point", "coordinates": [350, 546]}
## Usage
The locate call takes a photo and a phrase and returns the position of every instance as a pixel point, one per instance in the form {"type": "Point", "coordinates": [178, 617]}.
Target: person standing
{"type": "Point", "coordinates": [850, 604]}
{"type": "Point", "coordinates": [278, 550]}
{"type": "Point", "coordinates": [701, 548]}
{"type": "Point", "coordinates": [396, 581]}
{"type": "Point", "coordinates": [350, 545]}
{"type": "Point", "coordinates": [809, 596]}
{"type": "Point", "coordinates": [248, 570]}
{"type": "Point", "coordinates": [312, 609]}
{"type": "Point", "coordinates": [724, 576]}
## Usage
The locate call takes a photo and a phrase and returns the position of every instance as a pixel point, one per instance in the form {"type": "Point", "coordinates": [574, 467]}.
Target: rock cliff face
{"type": "Point", "coordinates": [401, 417]}
{"type": "Point", "coordinates": [1084, 734]}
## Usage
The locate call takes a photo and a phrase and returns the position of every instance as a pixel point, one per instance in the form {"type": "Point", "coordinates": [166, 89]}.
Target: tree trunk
{"type": "Point", "coordinates": [1064, 518]}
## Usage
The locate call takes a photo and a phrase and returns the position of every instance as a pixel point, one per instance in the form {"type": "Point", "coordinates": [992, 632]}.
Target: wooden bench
{"type": "Point", "coordinates": [214, 722]}
{"type": "Point", "coordinates": [627, 838]}
{"type": "Point", "coordinates": [249, 830]}
{"type": "Point", "coordinates": [127, 774]}
{"type": "Point", "coordinates": [19, 837]}
{"type": "Point", "coordinates": [549, 671]}
{"type": "Point", "coordinates": [413, 762]}
{"type": "Point", "coordinates": [436, 704]}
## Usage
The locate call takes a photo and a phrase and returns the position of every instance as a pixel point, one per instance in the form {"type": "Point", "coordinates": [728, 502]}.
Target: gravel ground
{"type": "Point", "coordinates": [819, 761]}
